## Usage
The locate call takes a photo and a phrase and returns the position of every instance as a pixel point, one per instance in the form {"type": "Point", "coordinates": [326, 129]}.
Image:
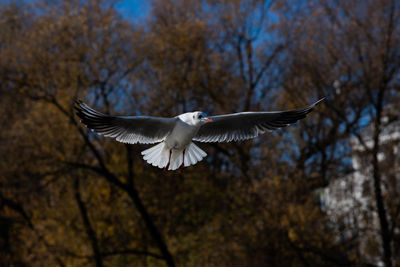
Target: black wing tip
{"type": "Point", "coordinates": [305, 111]}
{"type": "Point", "coordinates": [313, 105]}
{"type": "Point", "coordinates": [78, 104]}
{"type": "Point", "coordinates": [319, 101]}
{"type": "Point", "coordinates": [77, 101]}
{"type": "Point", "coordinates": [80, 109]}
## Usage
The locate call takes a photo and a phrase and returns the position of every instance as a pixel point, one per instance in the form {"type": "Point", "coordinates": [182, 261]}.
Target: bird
{"type": "Point", "coordinates": [175, 135]}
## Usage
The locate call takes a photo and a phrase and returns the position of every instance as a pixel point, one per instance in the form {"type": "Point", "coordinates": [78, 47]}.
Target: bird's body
{"type": "Point", "coordinates": [177, 150]}
{"type": "Point", "coordinates": [175, 135]}
{"type": "Point", "coordinates": [182, 133]}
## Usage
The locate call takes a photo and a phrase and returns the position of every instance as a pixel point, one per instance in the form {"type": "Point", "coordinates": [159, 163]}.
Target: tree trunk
{"type": "Point", "coordinates": [155, 234]}
{"type": "Point", "coordinates": [385, 233]}
{"type": "Point", "coordinates": [88, 227]}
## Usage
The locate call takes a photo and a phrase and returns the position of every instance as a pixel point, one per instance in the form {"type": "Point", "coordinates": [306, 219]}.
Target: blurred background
{"type": "Point", "coordinates": [324, 192]}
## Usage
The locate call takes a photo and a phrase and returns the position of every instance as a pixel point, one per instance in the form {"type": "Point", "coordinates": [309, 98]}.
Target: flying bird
{"type": "Point", "coordinates": [176, 135]}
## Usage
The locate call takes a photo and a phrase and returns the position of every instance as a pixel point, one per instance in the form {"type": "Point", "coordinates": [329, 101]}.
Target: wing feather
{"type": "Point", "coordinates": [130, 129]}
{"type": "Point", "coordinates": [247, 125]}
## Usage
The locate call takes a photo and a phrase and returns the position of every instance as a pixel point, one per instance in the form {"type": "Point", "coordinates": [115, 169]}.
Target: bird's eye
{"type": "Point", "coordinates": [200, 116]}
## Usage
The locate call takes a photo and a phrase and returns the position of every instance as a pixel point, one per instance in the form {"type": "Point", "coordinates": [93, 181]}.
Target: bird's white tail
{"type": "Point", "coordinates": [159, 156]}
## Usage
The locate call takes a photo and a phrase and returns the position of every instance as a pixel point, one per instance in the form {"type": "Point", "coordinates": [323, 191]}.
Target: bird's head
{"type": "Point", "coordinates": [200, 118]}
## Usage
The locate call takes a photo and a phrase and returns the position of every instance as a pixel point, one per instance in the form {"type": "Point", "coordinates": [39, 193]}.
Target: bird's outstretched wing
{"type": "Point", "coordinates": [129, 129]}
{"type": "Point", "coordinates": [247, 125]}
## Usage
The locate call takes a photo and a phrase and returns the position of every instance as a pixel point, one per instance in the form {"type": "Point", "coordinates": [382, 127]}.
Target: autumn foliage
{"type": "Point", "coordinates": [69, 197]}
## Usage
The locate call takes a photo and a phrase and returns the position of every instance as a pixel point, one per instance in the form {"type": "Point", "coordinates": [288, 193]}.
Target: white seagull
{"type": "Point", "coordinates": [175, 135]}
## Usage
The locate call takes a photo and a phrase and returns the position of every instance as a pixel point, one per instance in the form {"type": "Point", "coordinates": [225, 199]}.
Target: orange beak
{"type": "Point", "coordinates": [208, 120]}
